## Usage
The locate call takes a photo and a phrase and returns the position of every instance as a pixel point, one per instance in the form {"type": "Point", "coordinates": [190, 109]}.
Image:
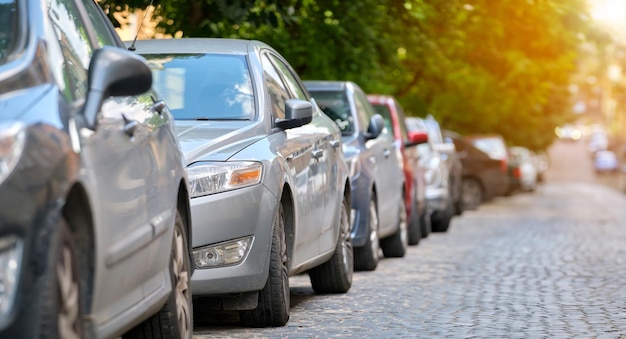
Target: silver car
{"type": "Point", "coordinates": [94, 207]}
{"type": "Point", "coordinates": [270, 191]}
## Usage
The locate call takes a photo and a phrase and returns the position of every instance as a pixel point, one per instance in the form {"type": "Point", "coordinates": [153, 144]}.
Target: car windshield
{"type": "Point", "coordinates": [336, 106]}
{"type": "Point", "coordinates": [204, 86]}
{"type": "Point", "coordinates": [8, 29]}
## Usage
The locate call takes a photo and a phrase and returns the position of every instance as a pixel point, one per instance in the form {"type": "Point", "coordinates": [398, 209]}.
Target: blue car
{"type": "Point", "coordinates": [380, 215]}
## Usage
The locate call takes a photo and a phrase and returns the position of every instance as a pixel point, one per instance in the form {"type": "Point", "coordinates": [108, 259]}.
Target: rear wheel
{"type": "Point", "coordinates": [396, 245]}
{"type": "Point", "coordinates": [425, 223]}
{"type": "Point", "coordinates": [335, 275]}
{"type": "Point", "coordinates": [274, 298]}
{"type": "Point", "coordinates": [175, 319]}
{"type": "Point", "coordinates": [415, 229]}
{"type": "Point", "coordinates": [471, 194]}
{"type": "Point", "coordinates": [366, 257]}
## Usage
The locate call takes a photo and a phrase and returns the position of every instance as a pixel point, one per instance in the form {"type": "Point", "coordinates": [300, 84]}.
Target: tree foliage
{"type": "Point", "coordinates": [478, 66]}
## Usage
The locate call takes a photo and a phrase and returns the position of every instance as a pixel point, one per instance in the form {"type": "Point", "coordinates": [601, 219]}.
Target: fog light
{"type": "Point", "coordinates": [10, 254]}
{"type": "Point", "coordinates": [223, 254]}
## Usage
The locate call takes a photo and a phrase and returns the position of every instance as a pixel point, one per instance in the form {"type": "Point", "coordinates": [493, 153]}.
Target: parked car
{"type": "Point", "coordinates": [523, 169]}
{"type": "Point", "coordinates": [496, 148]}
{"type": "Point", "coordinates": [94, 208]}
{"type": "Point", "coordinates": [270, 193]}
{"type": "Point", "coordinates": [542, 162]}
{"type": "Point", "coordinates": [443, 188]}
{"type": "Point", "coordinates": [605, 162]}
{"type": "Point", "coordinates": [568, 132]}
{"type": "Point", "coordinates": [483, 177]}
{"type": "Point", "coordinates": [378, 187]}
{"type": "Point", "coordinates": [415, 200]}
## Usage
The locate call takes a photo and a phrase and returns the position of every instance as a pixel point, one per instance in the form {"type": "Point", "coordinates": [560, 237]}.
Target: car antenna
{"type": "Point", "coordinates": [132, 46]}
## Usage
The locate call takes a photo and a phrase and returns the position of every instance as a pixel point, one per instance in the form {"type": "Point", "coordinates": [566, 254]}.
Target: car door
{"type": "Point", "coordinates": [147, 114]}
{"type": "Point", "coordinates": [302, 167]}
{"type": "Point", "coordinates": [327, 144]}
{"type": "Point", "coordinates": [387, 172]}
{"type": "Point", "coordinates": [114, 171]}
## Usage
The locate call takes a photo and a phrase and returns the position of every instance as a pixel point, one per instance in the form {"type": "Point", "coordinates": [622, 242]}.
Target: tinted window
{"type": "Point", "coordinates": [204, 86]}
{"type": "Point", "coordinates": [8, 28]}
{"type": "Point", "coordinates": [385, 112]}
{"type": "Point", "coordinates": [72, 36]}
{"type": "Point", "coordinates": [290, 79]}
{"type": "Point", "coordinates": [336, 106]}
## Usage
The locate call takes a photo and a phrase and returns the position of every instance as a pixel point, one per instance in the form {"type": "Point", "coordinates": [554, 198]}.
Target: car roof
{"type": "Point", "coordinates": [196, 45]}
{"type": "Point", "coordinates": [324, 85]}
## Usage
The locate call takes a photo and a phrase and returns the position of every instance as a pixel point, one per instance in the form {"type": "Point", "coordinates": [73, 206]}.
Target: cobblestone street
{"type": "Point", "coordinates": [533, 265]}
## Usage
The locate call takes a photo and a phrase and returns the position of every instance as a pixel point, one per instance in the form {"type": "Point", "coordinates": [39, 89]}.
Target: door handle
{"type": "Point", "coordinates": [317, 153]}
{"type": "Point", "coordinates": [335, 143]}
{"type": "Point", "coordinates": [158, 106]}
{"type": "Point", "coordinates": [386, 153]}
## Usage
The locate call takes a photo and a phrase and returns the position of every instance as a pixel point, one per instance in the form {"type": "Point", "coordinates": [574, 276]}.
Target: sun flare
{"type": "Point", "coordinates": [610, 12]}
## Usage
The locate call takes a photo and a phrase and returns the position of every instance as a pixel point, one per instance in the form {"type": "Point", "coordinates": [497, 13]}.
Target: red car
{"type": "Point", "coordinates": [406, 143]}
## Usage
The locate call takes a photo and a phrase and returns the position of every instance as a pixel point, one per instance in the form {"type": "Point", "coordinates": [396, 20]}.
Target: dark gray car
{"type": "Point", "coordinates": [94, 207]}
{"type": "Point", "coordinates": [378, 190]}
{"type": "Point", "coordinates": [270, 192]}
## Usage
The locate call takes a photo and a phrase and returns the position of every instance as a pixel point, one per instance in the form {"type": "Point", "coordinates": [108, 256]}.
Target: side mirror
{"type": "Point", "coordinates": [445, 148]}
{"type": "Point", "coordinates": [114, 72]}
{"type": "Point", "coordinates": [377, 124]}
{"type": "Point", "coordinates": [416, 138]}
{"type": "Point", "coordinates": [297, 113]}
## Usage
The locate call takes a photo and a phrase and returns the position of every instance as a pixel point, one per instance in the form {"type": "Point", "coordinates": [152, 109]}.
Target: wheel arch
{"type": "Point", "coordinates": [182, 205]}
{"type": "Point", "coordinates": [286, 200]}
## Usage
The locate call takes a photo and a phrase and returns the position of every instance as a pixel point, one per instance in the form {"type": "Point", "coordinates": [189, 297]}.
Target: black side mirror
{"type": "Point", "coordinates": [114, 72]}
{"type": "Point", "coordinates": [377, 124]}
{"type": "Point", "coordinates": [297, 113]}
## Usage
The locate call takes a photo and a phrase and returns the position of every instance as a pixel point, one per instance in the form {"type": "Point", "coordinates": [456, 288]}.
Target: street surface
{"type": "Point", "coordinates": [533, 265]}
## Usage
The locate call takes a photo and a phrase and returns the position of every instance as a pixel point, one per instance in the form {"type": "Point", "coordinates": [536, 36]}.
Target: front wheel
{"type": "Point", "coordinates": [335, 275]}
{"type": "Point", "coordinates": [366, 257]}
{"type": "Point", "coordinates": [175, 319]}
{"type": "Point", "coordinates": [274, 298]}
{"type": "Point", "coordinates": [471, 194]}
{"type": "Point", "coordinates": [415, 229]}
{"type": "Point", "coordinates": [396, 245]}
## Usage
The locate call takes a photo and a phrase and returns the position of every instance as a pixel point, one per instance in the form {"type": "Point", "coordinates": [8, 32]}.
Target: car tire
{"type": "Point", "coordinates": [175, 318]}
{"type": "Point", "coordinates": [471, 194]}
{"type": "Point", "coordinates": [396, 245]}
{"type": "Point", "coordinates": [274, 298]}
{"type": "Point", "coordinates": [366, 257]}
{"type": "Point", "coordinates": [440, 220]}
{"type": "Point", "coordinates": [61, 298]}
{"type": "Point", "coordinates": [415, 228]}
{"type": "Point", "coordinates": [425, 223]}
{"type": "Point", "coordinates": [335, 275]}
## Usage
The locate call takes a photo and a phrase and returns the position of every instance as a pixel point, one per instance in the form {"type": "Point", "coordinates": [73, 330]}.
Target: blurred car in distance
{"type": "Point", "coordinates": [495, 147]}
{"type": "Point", "coordinates": [542, 163]}
{"type": "Point", "coordinates": [378, 187]}
{"type": "Point", "coordinates": [441, 190]}
{"type": "Point", "coordinates": [568, 132]}
{"type": "Point", "coordinates": [270, 192]}
{"type": "Point", "coordinates": [94, 222]}
{"type": "Point", "coordinates": [597, 141]}
{"type": "Point", "coordinates": [605, 162]}
{"type": "Point", "coordinates": [482, 177]}
{"type": "Point", "coordinates": [523, 169]}
{"type": "Point", "coordinates": [391, 110]}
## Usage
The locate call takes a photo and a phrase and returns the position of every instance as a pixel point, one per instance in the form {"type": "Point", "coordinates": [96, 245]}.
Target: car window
{"type": "Point", "coordinates": [72, 36]}
{"type": "Point", "coordinates": [493, 146]}
{"type": "Point", "coordinates": [385, 112]}
{"type": "Point", "coordinates": [290, 79]}
{"type": "Point", "coordinates": [104, 35]}
{"type": "Point", "coordinates": [404, 133]}
{"type": "Point", "coordinates": [364, 108]}
{"type": "Point", "coordinates": [8, 29]}
{"type": "Point", "coordinates": [275, 86]}
{"type": "Point", "coordinates": [204, 86]}
{"type": "Point", "coordinates": [336, 106]}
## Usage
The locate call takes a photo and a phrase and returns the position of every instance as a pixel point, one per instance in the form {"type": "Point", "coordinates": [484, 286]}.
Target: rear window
{"type": "Point", "coordinates": [336, 106]}
{"type": "Point", "coordinates": [204, 86]}
{"type": "Point", "coordinates": [8, 29]}
{"type": "Point", "coordinates": [493, 146]}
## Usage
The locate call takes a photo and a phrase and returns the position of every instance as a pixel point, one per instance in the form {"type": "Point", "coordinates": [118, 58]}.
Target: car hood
{"type": "Point", "coordinates": [215, 140]}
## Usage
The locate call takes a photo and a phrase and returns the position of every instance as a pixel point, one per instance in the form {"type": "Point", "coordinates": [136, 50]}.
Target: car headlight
{"type": "Point", "coordinates": [12, 141]}
{"type": "Point", "coordinates": [10, 254]}
{"type": "Point", "coordinates": [223, 254]}
{"type": "Point", "coordinates": [213, 177]}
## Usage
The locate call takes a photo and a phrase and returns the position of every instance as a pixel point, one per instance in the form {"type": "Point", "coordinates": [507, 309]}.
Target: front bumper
{"type": "Point", "coordinates": [436, 198]}
{"type": "Point", "coordinates": [230, 215]}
